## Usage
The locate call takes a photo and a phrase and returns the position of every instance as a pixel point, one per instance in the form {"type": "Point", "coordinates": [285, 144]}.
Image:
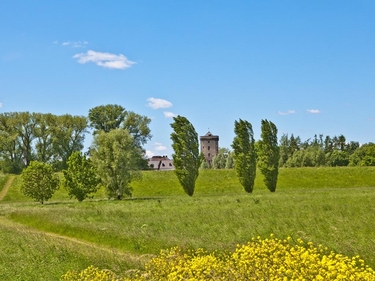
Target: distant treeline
{"type": "Point", "coordinates": [314, 152]}
{"type": "Point", "coordinates": [52, 139]}
{"type": "Point", "coordinates": [46, 138]}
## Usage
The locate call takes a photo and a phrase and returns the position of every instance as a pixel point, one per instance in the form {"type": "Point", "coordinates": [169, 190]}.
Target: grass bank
{"type": "Point", "coordinates": [329, 206]}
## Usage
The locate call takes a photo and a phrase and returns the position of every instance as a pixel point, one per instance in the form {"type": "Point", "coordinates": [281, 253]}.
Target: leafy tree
{"type": "Point", "coordinates": [106, 117]}
{"type": "Point", "coordinates": [138, 126]}
{"type": "Point", "coordinates": [363, 156]}
{"type": "Point", "coordinates": [45, 125]}
{"type": "Point", "coordinates": [116, 158]}
{"type": "Point", "coordinates": [312, 156]}
{"type": "Point", "coordinates": [80, 179]}
{"type": "Point", "coordinates": [269, 154]}
{"type": "Point", "coordinates": [112, 116]}
{"type": "Point", "coordinates": [10, 145]}
{"type": "Point", "coordinates": [68, 137]}
{"type": "Point", "coordinates": [244, 154]}
{"type": "Point", "coordinates": [25, 123]}
{"type": "Point", "coordinates": [39, 181]}
{"type": "Point", "coordinates": [186, 157]}
{"type": "Point", "coordinates": [230, 161]}
{"type": "Point", "coordinates": [337, 158]}
{"type": "Point", "coordinates": [219, 161]}
{"type": "Point", "coordinates": [204, 165]}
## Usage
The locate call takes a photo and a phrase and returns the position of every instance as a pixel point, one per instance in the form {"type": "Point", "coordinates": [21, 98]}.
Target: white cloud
{"type": "Point", "coordinates": [313, 111]}
{"type": "Point", "coordinates": [106, 60]}
{"type": "Point", "coordinates": [74, 44]}
{"type": "Point", "coordinates": [55, 42]}
{"type": "Point", "coordinates": [160, 147]}
{"type": "Point", "coordinates": [168, 114]}
{"type": "Point", "coordinates": [287, 112]}
{"type": "Point", "coordinates": [149, 153]}
{"type": "Point", "coordinates": [1, 104]}
{"type": "Point", "coordinates": [158, 103]}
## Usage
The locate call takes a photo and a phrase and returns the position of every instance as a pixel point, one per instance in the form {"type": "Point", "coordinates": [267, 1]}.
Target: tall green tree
{"type": "Point", "coordinates": [39, 181]}
{"type": "Point", "coordinates": [109, 117]}
{"type": "Point", "coordinates": [116, 158]}
{"type": "Point", "coordinates": [25, 123]}
{"type": "Point", "coordinates": [45, 125]}
{"type": "Point", "coordinates": [106, 117]}
{"type": "Point", "coordinates": [68, 136]}
{"type": "Point", "coordinates": [269, 154]}
{"type": "Point", "coordinates": [80, 179]}
{"type": "Point", "coordinates": [220, 160]}
{"type": "Point", "coordinates": [244, 154]}
{"type": "Point", "coordinates": [363, 156]}
{"type": "Point", "coordinates": [11, 152]}
{"type": "Point", "coordinates": [186, 156]}
{"type": "Point", "coordinates": [138, 126]}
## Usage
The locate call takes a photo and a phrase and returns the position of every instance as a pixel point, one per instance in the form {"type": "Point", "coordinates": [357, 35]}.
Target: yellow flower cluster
{"type": "Point", "coordinates": [260, 259]}
{"type": "Point", "coordinates": [90, 274]}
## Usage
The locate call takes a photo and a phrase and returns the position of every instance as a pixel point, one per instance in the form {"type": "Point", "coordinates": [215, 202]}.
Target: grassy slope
{"type": "Point", "coordinates": [331, 206]}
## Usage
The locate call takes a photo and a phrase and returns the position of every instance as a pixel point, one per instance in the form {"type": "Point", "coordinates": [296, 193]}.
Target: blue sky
{"type": "Point", "coordinates": [307, 66]}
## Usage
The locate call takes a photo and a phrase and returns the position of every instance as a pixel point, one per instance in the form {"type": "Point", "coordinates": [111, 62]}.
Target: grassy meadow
{"type": "Point", "coordinates": [329, 206]}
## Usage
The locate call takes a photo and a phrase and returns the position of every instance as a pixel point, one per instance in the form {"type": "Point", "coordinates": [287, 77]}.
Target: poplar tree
{"type": "Point", "coordinates": [186, 157]}
{"type": "Point", "coordinates": [244, 154]}
{"type": "Point", "coordinates": [269, 154]}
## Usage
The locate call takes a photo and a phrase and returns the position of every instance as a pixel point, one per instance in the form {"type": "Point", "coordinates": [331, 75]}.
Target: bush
{"type": "Point", "coordinates": [39, 181]}
{"type": "Point", "coordinates": [260, 259]}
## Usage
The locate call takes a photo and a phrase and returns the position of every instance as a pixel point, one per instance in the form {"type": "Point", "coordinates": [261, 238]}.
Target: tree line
{"type": "Point", "coordinates": [51, 139]}
{"type": "Point", "coordinates": [247, 157]}
{"type": "Point", "coordinates": [318, 151]}
{"type": "Point", "coordinates": [41, 144]}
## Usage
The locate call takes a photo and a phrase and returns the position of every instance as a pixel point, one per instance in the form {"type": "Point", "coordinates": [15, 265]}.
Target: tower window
{"type": "Point", "coordinates": [208, 148]}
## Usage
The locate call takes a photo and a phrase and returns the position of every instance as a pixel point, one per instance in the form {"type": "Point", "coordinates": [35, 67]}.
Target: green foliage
{"type": "Point", "coordinates": [138, 127]}
{"type": "Point", "coordinates": [116, 157]}
{"type": "Point", "coordinates": [269, 154]}
{"type": "Point", "coordinates": [10, 145]}
{"type": "Point", "coordinates": [244, 154]}
{"type": "Point", "coordinates": [312, 156]}
{"type": "Point", "coordinates": [112, 116]}
{"type": "Point", "coordinates": [337, 158]}
{"type": "Point", "coordinates": [80, 179]}
{"type": "Point", "coordinates": [205, 165]}
{"type": "Point", "coordinates": [39, 181]}
{"type": "Point", "coordinates": [186, 157]}
{"type": "Point", "coordinates": [220, 160]}
{"type": "Point", "coordinates": [68, 137]}
{"type": "Point", "coordinates": [106, 117]}
{"type": "Point", "coordinates": [363, 156]}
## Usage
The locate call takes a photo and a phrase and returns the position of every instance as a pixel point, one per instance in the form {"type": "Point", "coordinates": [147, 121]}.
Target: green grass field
{"type": "Point", "coordinates": [329, 206]}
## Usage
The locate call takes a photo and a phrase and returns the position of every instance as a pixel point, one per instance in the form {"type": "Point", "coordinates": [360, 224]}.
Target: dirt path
{"type": "Point", "coordinates": [6, 187]}
{"type": "Point", "coordinates": [135, 259]}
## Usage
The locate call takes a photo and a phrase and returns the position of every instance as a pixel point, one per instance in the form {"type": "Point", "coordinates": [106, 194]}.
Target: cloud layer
{"type": "Point", "coordinates": [106, 60]}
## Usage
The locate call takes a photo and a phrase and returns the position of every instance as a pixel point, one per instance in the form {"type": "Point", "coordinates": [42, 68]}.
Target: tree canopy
{"type": "Point", "coordinates": [116, 158]}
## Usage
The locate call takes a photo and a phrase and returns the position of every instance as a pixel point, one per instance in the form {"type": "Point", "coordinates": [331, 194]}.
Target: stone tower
{"type": "Point", "coordinates": [209, 146]}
